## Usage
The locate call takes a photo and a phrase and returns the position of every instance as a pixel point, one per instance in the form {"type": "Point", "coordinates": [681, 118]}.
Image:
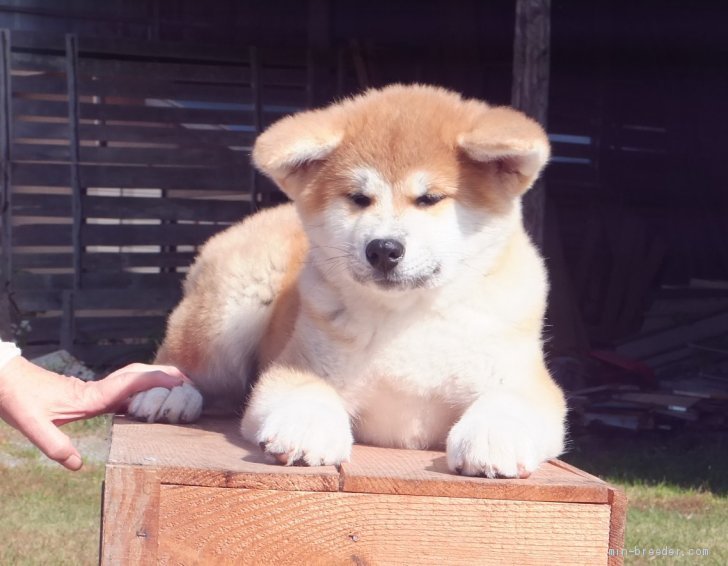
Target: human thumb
{"type": "Point", "coordinates": [54, 444]}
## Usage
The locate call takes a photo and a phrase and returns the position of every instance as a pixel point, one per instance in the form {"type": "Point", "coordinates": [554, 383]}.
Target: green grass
{"type": "Point", "coordinates": [677, 488]}
{"type": "Point", "coordinates": [49, 515]}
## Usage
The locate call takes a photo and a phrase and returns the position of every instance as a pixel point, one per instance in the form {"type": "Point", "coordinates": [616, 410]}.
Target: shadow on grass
{"type": "Point", "coordinates": [689, 460]}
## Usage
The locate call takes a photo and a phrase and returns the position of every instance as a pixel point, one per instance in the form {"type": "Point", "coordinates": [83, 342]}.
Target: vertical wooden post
{"type": "Point", "coordinates": [530, 92]}
{"type": "Point", "coordinates": [68, 337]}
{"type": "Point", "coordinates": [68, 321]}
{"type": "Point", "coordinates": [130, 517]}
{"type": "Point", "coordinates": [73, 122]}
{"type": "Point", "coordinates": [6, 197]}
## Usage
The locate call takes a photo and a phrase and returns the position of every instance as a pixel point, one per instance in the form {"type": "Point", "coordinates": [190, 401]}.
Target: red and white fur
{"type": "Point", "coordinates": [437, 344]}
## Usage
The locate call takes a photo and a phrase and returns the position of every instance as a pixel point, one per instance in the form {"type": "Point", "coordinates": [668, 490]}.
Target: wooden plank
{"type": "Point", "coordinates": [111, 280]}
{"type": "Point", "coordinates": [6, 193]}
{"type": "Point", "coordinates": [88, 299]}
{"type": "Point", "coordinates": [161, 50]}
{"type": "Point", "coordinates": [41, 174]}
{"type": "Point", "coordinates": [130, 521]}
{"type": "Point", "coordinates": [94, 329]}
{"type": "Point", "coordinates": [677, 403]}
{"type": "Point", "coordinates": [45, 205]}
{"type": "Point", "coordinates": [151, 88]}
{"type": "Point", "coordinates": [167, 135]}
{"type": "Point", "coordinates": [104, 261]}
{"type": "Point", "coordinates": [166, 208]}
{"type": "Point", "coordinates": [136, 235]}
{"type": "Point", "coordinates": [95, 299]}
{"type": "Point", "coordinates": [166, 114]}
{"type": "Point", "coordinates": [125, 260]}
{"type": "Point", "coordinates": [423, 472]}
{"type": "Point", "coordinates": [230, 178]}
{"type": "Point", "coordinates": [165, 70]}
{"type": "Point", "coordinates": [648, 345]}
{"type": "Point", "coordinates": [135, 133]}
{"type": "Point", "coordinates": [218, 457]}
{"type": "Point", "coordinates": [200, 71]}
{"type": "Point", "coordinates": [132, 176]}
{"type": "Point", "coordinates": [38, 62]}
{"type": "Point", "coordinates": [245, 526]}
{"type": "Point", "coordinates": [41, 152]}
{"type": "Point", "coordinates": [33, 40]}
{"type": "Point", "coordinates": [68, 316]}
{"type": "Point", "coordinates": [182, 52]}
{"type": "Point", "coordinates": [35, 261]}
{"type": "Point", "coordinates": [134, 112]}
{"type": "Point", "coordinates": [37, 301]}
{"type": "Point", "coordinates": [42, 235]}
{"type": "Point", "coordinates": [77, 190]}
{"type": "Point", "coordinates": [212, 157]}
{"type": "Point", "coordinates": [46, 83]}
{"type": "Point", "coordinates": [617, 525]}
{"type": "Point", "coordinates": [115, 234]}
{"type": "Point", "coordinates": [40, 130]}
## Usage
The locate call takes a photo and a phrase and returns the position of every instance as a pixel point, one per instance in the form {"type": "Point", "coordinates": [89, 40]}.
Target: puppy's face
{"type": "Point", "coordinates": [406, 187]}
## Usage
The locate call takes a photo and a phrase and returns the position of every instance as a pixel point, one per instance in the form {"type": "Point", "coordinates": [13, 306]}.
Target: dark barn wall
{"type": "Point", "coordinates": [636, 193]}
{"type": "Point", "coordinates": [128, 139]}
{"type": "Point", "coordinates": [644, 202]}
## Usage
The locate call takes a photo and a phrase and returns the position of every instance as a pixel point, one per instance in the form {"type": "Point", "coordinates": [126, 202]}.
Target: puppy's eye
{"type": "Point", "coordinates": [360, 199]}
{"type": "Point", "coordinates": [428, 199]}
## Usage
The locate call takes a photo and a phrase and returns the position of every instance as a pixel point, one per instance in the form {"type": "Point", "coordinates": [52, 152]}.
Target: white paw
{"type": "Point", "coordinates": [297, 431]}
{"type": "Point", "coordinates": [182, 404]}
{"type": "Point", "coordinates": [503, 438]}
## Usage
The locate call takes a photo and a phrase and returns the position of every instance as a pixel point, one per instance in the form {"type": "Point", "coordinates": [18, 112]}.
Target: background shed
{"type": "Point", "coordinates": [125, 131]}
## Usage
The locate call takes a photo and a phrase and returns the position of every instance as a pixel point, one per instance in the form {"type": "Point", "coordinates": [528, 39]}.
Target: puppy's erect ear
{"type": "Point", "coordinates": [288, 150]}
{"type": "Point", "coordinates": [507, 139]}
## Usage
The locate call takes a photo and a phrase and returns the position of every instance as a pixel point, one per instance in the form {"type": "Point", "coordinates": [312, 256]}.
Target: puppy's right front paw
{"type": "Point", "coordinates": [302, 432]}
{"type": "Point", "coordinates": [182, 404]}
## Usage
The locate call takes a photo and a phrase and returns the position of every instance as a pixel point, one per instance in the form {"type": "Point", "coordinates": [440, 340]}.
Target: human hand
{"type": "Point", "coordinates": [35, 400]}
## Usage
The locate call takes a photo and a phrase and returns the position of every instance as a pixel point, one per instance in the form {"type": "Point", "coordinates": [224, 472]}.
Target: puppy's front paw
{"type": "Point", "coordinates": [182, 404]}
{"type": "Point", "coordinates": [305, 432]}
{"type": "Point", "coordinates": [503, 440]}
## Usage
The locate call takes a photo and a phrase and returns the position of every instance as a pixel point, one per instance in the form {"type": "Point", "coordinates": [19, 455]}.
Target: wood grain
{"type": "Point", "coordinates": [222, 526]}
{"type": "Point", "coordinates": [129, 527]}
{"type": "Point", "coordinates": [617, 524]}
{"type": "Point", "coordinates": [209, 453]}
{"type": "Point", "coordinates": [422, 472]}
{"type": "Point", "coordinates": [220, 503]}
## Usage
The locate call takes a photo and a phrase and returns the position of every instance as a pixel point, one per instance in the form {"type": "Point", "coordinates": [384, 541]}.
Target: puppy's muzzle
{"type": "Point", "coordinates": [384, 254]}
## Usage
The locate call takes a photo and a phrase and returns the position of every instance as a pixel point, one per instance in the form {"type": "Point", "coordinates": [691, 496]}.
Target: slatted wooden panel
{"type": "Point", "coordinates": [123, 156]}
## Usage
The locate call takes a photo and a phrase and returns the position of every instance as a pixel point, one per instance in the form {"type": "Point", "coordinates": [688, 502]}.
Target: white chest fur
{"type": "Point", "coordinates": [406, 374]}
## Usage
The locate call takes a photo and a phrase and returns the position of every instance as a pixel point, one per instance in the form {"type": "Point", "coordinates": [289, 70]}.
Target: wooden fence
{"type": "Point", "coordinates": [119, 158]}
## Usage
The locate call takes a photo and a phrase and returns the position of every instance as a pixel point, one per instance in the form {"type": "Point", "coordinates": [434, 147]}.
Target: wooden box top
{"type": "Point", "coordinates": [212, 453]}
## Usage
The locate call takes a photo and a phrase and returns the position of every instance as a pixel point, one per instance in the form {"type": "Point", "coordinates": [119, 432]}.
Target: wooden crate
{"type": "Point", "coordinates": [198, 494]}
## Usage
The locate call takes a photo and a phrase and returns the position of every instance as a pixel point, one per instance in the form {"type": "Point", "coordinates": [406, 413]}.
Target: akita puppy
{"type": "Point", "coordinates": [396, 302]}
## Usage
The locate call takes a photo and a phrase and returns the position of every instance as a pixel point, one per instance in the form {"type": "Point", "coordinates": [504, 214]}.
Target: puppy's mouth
{"type": "Point", "coordinates": [396, 281]}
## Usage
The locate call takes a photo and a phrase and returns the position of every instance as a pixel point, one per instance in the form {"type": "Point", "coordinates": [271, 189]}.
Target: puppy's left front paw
{"type": "Point", "coordinates": [503, 441]}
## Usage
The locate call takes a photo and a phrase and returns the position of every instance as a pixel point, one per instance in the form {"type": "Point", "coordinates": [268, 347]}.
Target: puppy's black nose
{"type": "Point", "coordinates": [384, 255]}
